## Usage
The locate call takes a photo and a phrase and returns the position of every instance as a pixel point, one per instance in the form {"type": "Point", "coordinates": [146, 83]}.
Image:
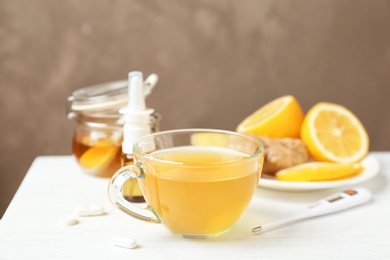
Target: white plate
{"type": "Point", "coordinates": [371, 168]}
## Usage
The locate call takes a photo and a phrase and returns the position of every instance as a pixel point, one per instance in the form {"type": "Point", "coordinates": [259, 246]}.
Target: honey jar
{"type": "Point", "coordinates": [98, 134]}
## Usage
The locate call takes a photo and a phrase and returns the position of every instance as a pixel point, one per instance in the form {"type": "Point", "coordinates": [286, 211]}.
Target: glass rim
{"type": "Point", "coordinates": [258, 152]}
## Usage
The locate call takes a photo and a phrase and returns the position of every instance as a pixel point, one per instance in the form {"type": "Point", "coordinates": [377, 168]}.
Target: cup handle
{"type": "Point", "coordinates": [116, 196]}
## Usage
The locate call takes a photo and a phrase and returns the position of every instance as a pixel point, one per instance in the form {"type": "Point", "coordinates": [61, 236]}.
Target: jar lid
{"type": "Point", "coordinates": [105, 98]}
{"type": "Point", "coordinates": [100, 97]}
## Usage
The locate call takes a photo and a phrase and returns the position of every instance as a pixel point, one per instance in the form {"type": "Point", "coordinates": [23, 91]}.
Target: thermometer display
{"type": "Point", "coordinates": [348, 192]}
{"type": "Point", "coordinates": [335, 199]}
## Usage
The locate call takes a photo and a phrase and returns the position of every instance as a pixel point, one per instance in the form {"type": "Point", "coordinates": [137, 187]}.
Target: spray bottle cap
{"type": "Point", "coordinates": [136, 115]}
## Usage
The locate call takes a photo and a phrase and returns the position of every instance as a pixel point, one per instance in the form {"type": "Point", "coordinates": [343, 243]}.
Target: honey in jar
{"type": "Point", "coordinates": [98, 134]}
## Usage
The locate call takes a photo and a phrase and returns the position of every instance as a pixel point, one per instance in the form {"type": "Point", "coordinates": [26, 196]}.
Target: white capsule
{"type": "Point", "coordinates": [93, 210]}
{"type": "Point", "coordinates": [124, 242]}
{"type": "Point", "coordinates": [81, 211]}
{"type": "Point", "coordinates": [96, 210]}
{"type": "Point", "coordinates": [67, 220]}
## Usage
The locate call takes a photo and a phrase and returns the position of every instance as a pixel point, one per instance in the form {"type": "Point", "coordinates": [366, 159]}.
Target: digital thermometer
{"type": "Point", "coordinates": [334, 203]}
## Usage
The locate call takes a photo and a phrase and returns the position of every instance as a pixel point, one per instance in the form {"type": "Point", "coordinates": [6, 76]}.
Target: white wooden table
{"type": "Point", "coordinates": [55, 185]}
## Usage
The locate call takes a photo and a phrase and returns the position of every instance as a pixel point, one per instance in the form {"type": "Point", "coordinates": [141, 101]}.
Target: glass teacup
{"type": "Point", "coordinates": [196, 182]}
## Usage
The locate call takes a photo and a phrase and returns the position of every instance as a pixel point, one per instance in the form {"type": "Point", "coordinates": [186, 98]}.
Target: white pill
{"type": "Point", "coordinates": [93, 210]}
{"type": "Point", "coordinates": [81, 211]}
{"type": "Point", "coordinates": [124, 242]}
{"type": "Point", "coordinates": [96, 210]}
{"type": "Point", "coordinates": [67, 220]}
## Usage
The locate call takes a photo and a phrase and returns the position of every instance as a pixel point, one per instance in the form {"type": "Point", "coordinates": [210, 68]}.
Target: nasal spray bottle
{"type": "Point", "coordinates": [137, 120]}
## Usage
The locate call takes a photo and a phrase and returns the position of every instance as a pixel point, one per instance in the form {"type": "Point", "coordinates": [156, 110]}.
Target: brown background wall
{"type": "Point", "coordinates": [218, 61]}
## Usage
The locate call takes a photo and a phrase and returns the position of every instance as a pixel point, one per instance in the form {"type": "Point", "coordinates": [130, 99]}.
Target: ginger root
{"type": "Point", "coordinates": [280, 153]}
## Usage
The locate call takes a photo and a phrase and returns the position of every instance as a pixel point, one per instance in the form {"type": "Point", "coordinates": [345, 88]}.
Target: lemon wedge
{"type": "Point", "coordinates": [97, 157]}
{"type": "Point", "coordinates": [100, 159]}
{"type": "Point", "coordinates": [319, 171]}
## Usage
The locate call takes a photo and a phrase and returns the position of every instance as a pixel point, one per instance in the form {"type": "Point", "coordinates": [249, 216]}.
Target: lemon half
{"type": "Point", "coordinates": [332, 133]}
{"type": "Point", "coordinates": [280, 118]}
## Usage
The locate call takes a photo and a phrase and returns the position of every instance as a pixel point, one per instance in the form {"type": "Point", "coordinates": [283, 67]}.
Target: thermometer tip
{"type": "Point", "coordinates": [257, 229]}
